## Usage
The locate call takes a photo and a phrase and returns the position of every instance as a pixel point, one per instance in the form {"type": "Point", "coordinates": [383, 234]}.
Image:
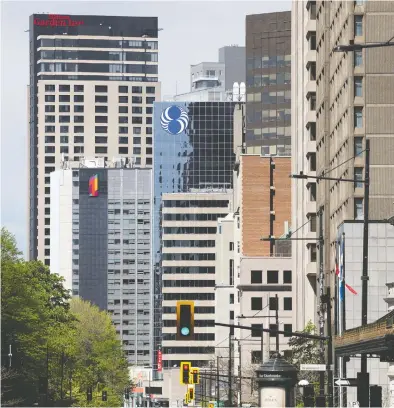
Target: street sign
{"type": "Point", "coordinates": [346, 382]}
{"type": "Point", "coordinates": [313, 367]}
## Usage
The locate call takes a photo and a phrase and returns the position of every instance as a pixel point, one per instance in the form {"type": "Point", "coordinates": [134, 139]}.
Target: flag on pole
{"type": "Point", "coordinates": [339, 272]}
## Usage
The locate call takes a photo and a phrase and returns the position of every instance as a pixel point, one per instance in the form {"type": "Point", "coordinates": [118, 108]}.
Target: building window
{"type": "Point", "coordinates": [312, 11]}
{"type": "Point", "coordinates": [101, 88]}
{"type": "Point", "coordinates": [312, 161]}
{"type": "Point", "coordinates": [312, 131]}
{"type": "Point", "coordinates": [256, 356]}
{"type": "Point", "coordinates": [287, 328]}
{"type": "Point", "coordinates": [273, 303]}
{"type": "Point", "coordinates": [123, 99]}
{"type": "Point", "coordinates": [287, 303]}
{"type": "Point", "coordinates": [312, 222]}
{"type": "Point", "coordinates": [256, 276]}
{"type": "Point", "coordinates": [358, 117]}
{"type": "Point", "coordinates": [358, 26]}
{"type": "Point", "coordinates": [358, 86]}
{"type": "Point", "coordinates": [100, 99]}
{"type": "Point", "coordinates": [313, 252]}
{"type": "Point", "coordinates": [64, 88]}
{"type": "Point", "coordinates": [312, 42]}
{"type": "Point", "coordinates": [231, 298]}
{"type": "Point", "coordinates": [123, 150]}
{"type": "Point", "coordinates": [273, 327]}
{"type": "Point", "coordinates": [101, 149]}
{"type": "Point", "coordinates": [272, 277]}
{"type": "Point", "coordinates": [312, 192]}
{"type": "Point", "coordinates": [358, 146]}
{"type": "Point", "coordinates": [287, 277]}
{"type": "Point", "coordinates": [78, 88]}
{"type": "Point", "coordinates": [312, 71]}
{"type": "Point", "coordinates": [49, 88]}
{"type": "Point", "coordinates": [123, 89]}
{"type": "Point", "coordinates": [123, 109]}
{"type": "Point", "coordinates": [312, 102]}
{"type": "Point", "coordinates": [358, 177]}
{"type": "Point", "coordinates": [256, 330]}
{"type": "Point", "coordinates": [256, 303]}
{"type": "Point", "coordinates": [358, 209]}
{"type": "Point", "coordinates": [358, 58]}
{"type": "Point", "coordinates": [231, 246]}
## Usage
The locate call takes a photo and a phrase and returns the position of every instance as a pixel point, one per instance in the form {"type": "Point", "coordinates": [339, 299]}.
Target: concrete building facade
{"type": "Point", "coordinates": [93, 81]}
{"type": "Point", "coordinates": [101, 243]}
{"type": "Point", "coordinates": [303, 125]}
{"type": "Point", "coordinates": [189, 222]}
{"type": "Point", "coordinates": [353, 102]}
{"type": "Point", "coordinates": [268, 78]}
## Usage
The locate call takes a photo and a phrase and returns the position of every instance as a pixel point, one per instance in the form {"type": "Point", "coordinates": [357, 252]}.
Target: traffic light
{"type": "Point", "coordinates": [191, 394]}
{"type": "Point", "coordinates": [89, 394]}
{"type": "Point", "coordinates": [195, 376]}
{"type": "Point", "coordinates": [187, 398]}
{"type": "Point", "coordinates": [127, 393]}
{"type": "Point", "coordinates": [104, 396]}
{"type": "Point", "coordinates": [185, 372]}
{"type": "Point", "coordinates": [185, 320]}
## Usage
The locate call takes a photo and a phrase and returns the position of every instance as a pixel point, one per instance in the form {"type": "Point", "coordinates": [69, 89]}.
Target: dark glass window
{"type": "Point", "coordinates": [49, 98]}
{"type": "Point", "coordinates": [123, 89]}
{"type": "Point", "coordinates": [49, 108]}
{"type": "Point", "coordinates": [123, 140]}
{"type": "Point", "coordinates": [287, 328]}
{"type": "Point", "coordinates": [78, 108]}
{"type": "Point", "coordinates": [78, 139]}
{"type": "Point", "coordinates": [136, 140]}
{"type": "Point", "coordinates": [123, 109]}
{"type": "Point", "coordinates": [136, 99]}
{"type": "Point", "coordinates": [101, 119]}
{"type": "Point", "coordinates": [272, 277]}
{"type": "Point", "coordinates": [148, 120]}
{"type": "Point", "coordinates": [101, 99]}
{"type": "Point", "coordinates": [123, 99]}
{"type": "Point", "coordinates": [78, 88]}
{"type": "Point", "coordinates": [100, 149]}
{"type": "Point", "coordinates": [64, 108]}
{"type": "Point", "coordinates": [286, 276]}
{"type": "Point", "coordinates": [150, 100]}
{"type": "Point", "coordinates": [273, 327]}
{"type": "Point", "coordinates": [136, 89]}
{"type": "Point", "coordinates": [78, 119]}
{"type": "Point", "coordinates": [149, 150]}
{"type": "Point", "coordinates": [256, 330]}
{"type": "Point", "coordinates": [150, 89]}
{"type": "Point", "coordinates": [101, 129]}
{"type": "Point", "coordinates": [123, 130]}
{"type": "Point", "coordinates": [100, 139]}
{"type": "Point", "coordinates": [256, 276]}
{"type": "Point", "coordinates": [273, 303]}
{"type": "Point", "coordinates": [136, 109]}
{"type": "Point", "coordinates": [256, 303]}
{"type": "Point", "coordinates": [64, 88]}
{"type": "Point", "coordinates": [78, 129]}
{"type": "Point", "coordinates": [287, 303]}
{"type": "Point", "coordinates": [78, 98]}
{"type": "Point", "coordinates": [123, 119]}
{"type": "Point", "coordinates": [101, 88]}
{"type": "Point", "coordinates": [101, 109]}
{"type": "Point", "coordinates": [136, 120]}
{"type": "Point", "coordinates": [50, 88]}
{"type": "Point", "coordinates": [64, 98]}
{"type": "Point", "coordinates": [123, 150]}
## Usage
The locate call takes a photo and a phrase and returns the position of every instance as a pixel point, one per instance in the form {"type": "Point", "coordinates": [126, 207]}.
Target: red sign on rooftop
{"type": "Point", "coordinates": [56, 20]}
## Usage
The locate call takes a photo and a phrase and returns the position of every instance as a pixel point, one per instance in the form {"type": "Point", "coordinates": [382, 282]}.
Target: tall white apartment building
{"type": "Point", "coordinates": [93, 81]}
{"type": "Point", "coordinates": [189, 224]}
{"type": "Point", "coordinates": [303, 139]}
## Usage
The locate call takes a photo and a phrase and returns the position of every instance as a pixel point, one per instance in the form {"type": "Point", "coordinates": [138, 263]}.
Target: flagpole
{"type": "Point", "coordinates": [344, 392]}
{"type": "Point", "coordinates": [340, 310]}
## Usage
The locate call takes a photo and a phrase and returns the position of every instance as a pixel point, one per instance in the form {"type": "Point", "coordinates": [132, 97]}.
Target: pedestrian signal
{"type": "Point", "coordinates": [195, 376]}
{"type": "Point", "coordinates": [191, 394]}
{"type": "Point", "coordinates": [104, 396]}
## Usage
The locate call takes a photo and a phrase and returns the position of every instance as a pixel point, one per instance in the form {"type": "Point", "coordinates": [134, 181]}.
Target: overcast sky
{"type": "Point", "coordinates": [193, 31]}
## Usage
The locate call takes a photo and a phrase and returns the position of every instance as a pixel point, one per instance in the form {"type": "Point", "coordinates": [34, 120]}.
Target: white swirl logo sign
{"type": "Point", "coordinates": [174, 120]}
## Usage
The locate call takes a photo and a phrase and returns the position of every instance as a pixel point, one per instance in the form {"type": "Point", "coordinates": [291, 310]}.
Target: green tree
{"type": "Point", "coordinates": [305, 351]}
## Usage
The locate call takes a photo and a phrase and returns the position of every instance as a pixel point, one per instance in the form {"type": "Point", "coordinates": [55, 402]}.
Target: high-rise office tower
{"type": "Point", "coordinates": [353, 102]}
{"type": "Point", "coordinates": [194, 156]}
{"type": "Point", "coordinates": [268, 61]}
{"type": "Point", "coordinates": [101, 243]}
{"type": "Point", "coordinates": [93, 81]}
{"type": "Point", "coordinates": [303, 138]}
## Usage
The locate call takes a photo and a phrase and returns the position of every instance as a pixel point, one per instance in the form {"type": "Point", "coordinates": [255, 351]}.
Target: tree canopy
{"type": "Point", "coordinates": [59, 346]}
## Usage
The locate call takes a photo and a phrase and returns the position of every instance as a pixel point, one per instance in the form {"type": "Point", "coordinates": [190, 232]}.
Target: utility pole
{"type": "Point", "coordinates": [277, 321]}
{"type": "Point", "coordinates": [330, 351]}
{"type": "Point", "coordinates": [217, 382]}
{"type": "Point", "coordinates": [364, 398]}
{"type": "Point", "coordinates": [230, 390]}
{"type": "Point", "coordinates": [321, 308]}
{"type": "Point", "coordinates": [210, 380]}
{"type": "Point", "coordinates": [262, 343]}
{"type": "Point", "coordinates": [240, 372]}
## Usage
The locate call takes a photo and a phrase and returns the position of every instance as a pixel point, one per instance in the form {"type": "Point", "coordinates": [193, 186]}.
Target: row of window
{"type": "Point", "coordinates": [189, 230]}
{"type": "Point", "coordinates": [188, 283]}
{"type": "Point", "coordinates": [97, 140]}
{"type": "Point", "coordinates": [197, 336]}
{"type": "Point", "coordinates": [101, 67]}
{"type": "Point", "coordinates": [256, 330]}
{"type": "Point", "coordinates": [257, 303]}
{"type": "Point", "coordinates": [99, 98]}
{"type": "Point", "coordinates": [85, 55]}
{"type": "Point", "coordinates": [97, 149]}
{"type": "Point", "coordinates": [188, 257]}
{"type": "Point", "coordinates": [135, 120]}
{"type": "Point", "coordinates": [197, 323]}
{"type": "Point", "coordinates": [266, 61]}
{"type": "Point", "coordinates": [188, 296]}
{"type": "Point", "coordinates": [99, 78]}
{"type": "Point", "coordinates": [195, 203]}
{"type": "Point", "coordinates": [188, 269]}
{"type": "Point", "coordinates": [100, 88]}
{"type": "Point", "coordinates": [272, 277]}
{"type": "Point", "coordinates": [192, 217]}
{"type": "Point", "coordinates": [97, 43]}
{"type": "Point", "coordinates": [99, 109]}
{"type": "Point", "coordinates": [258, 80]}
{"type": "Point", "coordinates": [270, 97]}
{"type": "Point", "coordinates": [197, 309]}
{"type": "Point", "coordinates": [188, 350]}
{"type": "Point", "coordinates": [124, 130]}
{"type": "Point", "coordinates": [190, 244]}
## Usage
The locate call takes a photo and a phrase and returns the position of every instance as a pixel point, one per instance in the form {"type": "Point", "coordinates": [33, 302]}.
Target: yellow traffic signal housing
{"type": "Point", "coordinates": [211, 405]}
{"type": "Point", "coordinates": [185, 320]}
{"type": "Point", "coordinates": [185, 372]}
{"type": "Point", "coordinates": [195, 375]}
{"type": "Point", "coordinates": [187, 398]}
{"type": "Point", "coordinates": [191, 394]}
